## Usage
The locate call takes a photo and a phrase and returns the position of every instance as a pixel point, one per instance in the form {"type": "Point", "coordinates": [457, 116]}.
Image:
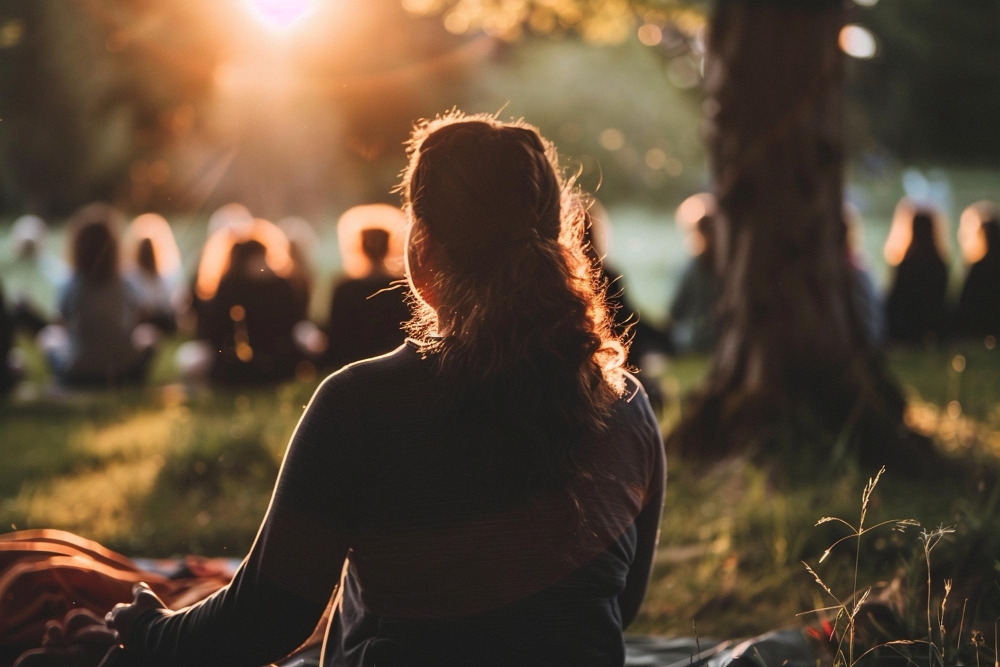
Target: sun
{"type": "Point", "coordinates": [280, 14]}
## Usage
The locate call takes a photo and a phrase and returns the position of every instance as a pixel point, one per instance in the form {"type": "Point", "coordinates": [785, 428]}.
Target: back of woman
{"type": "Point", "coordinates": [99, 307]}
{"type": "Point", "coordinates": [496, 510]}
{"type": "Point", "coordinates": [448, 567]}
{"type": "Point", "coordinates": [494, 486]}
{"type": "Point", "coordinates": [915, 305]}
{"type": "Point", "coordinates": [978, 311]}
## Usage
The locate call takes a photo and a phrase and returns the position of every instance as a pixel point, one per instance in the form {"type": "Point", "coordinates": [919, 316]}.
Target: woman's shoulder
{"type": "Point", "coordinates": [376, 372]}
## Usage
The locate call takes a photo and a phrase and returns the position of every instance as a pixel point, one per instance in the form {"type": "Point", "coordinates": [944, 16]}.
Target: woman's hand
{"type": "Point", "coordinates": [123, 616]}
{"type": "Point", "coordinates": [81, 639]}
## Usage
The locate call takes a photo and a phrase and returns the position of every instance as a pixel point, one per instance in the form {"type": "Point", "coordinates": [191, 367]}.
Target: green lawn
{"type": "Point", "coordinates": [163, 471]}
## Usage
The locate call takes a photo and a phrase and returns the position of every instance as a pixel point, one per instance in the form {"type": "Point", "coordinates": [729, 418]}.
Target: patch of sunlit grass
{"type": "Point", "coordinates": [143, 434]}
{"type": "Point", "coordinates": [97, 503]}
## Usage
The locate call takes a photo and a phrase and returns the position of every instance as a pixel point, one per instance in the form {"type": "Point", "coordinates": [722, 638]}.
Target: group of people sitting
{"type": "Point", "coordinates": [247, 306]}
{"type": "Point", "coordinates": [915, 308]}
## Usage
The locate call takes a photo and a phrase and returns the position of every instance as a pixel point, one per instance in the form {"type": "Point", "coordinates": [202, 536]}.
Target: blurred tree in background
{"type": "Point", "coordinates": [793, 364]}
{"type": "Point", "coordinates": [82, 117]}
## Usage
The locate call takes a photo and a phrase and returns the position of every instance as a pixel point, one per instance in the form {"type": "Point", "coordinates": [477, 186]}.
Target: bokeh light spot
{"type": "Point", "coordinates": [612, 139]}
{"type": "Point", "coordinates": [650, 34]}
{"type": "Point", "coordinates": [858, 42]}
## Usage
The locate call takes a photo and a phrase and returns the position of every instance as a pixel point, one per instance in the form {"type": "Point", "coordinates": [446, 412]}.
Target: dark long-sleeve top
{"type": "Point", "coordinates": [438, 572]}
{"type": "Point", "coordinates": [366, 319]}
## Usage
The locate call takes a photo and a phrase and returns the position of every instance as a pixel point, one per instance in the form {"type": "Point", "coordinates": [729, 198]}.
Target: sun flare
{"type": "Point", "coordinates": [280, 14]}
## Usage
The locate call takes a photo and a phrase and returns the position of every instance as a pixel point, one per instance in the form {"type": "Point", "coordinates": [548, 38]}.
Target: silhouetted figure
{"type": "Point", "coordinates": [978, 312]}
{"type": "Point", "coordinates": [301, 241]}
{"type": "Point", "coordinates": [915, 305]}
{"type": "Point", "coordinates": [155, 269]}
{"type": "Point", "coordinates": [9, 372]}
{"type": "Point", "coordinates": [497, 481]}
{"type": "Point", "coordinates": [226, 225]}
{"type": "Point", "coordinates": [694, 311]}
{"type": "Point", "coordinates": [153, 291]}
{"type": "Point", "coordinates": [367, 314]}
{"type": "Point", "coordinates": [100, 341]}
{"type": "Point", "coordinates": [249, 323]}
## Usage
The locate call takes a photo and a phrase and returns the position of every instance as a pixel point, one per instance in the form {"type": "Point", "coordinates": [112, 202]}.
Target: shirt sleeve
{"type": "Point", "coordinates": [647, 523]}
{"type": "Point", "coordinates": [281, 589]}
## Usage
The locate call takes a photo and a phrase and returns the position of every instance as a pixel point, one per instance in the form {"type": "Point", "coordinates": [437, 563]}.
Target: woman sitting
{"type": "Point", "coordinates": [250, 321]}
{"type": "Point", "coordinates": [10, 370]}
{"type": "Point", "coordinates": [494, 485]}
{"type": "Point", "coordinates": [366, 313]}
{"type": "Point", "coordinates": [915, 305]}
{"type": "Point", "coordinates": [156, 270]}
{"type": "Point", "coordinates": [978, 313]}
{"type": "Point", "coordinates": [101, 340]}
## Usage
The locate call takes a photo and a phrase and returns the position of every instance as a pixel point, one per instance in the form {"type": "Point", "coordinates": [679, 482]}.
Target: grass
{"type": "Point", "coordinates": [161, 471]}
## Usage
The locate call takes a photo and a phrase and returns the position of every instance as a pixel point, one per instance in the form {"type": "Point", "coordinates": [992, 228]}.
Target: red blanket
{"type": "Point", "coordinates": [46, 574]}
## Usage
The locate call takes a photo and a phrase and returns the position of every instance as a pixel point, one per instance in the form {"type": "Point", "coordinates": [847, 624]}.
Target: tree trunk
{"type": "Point", "coordinates": [791, 364]}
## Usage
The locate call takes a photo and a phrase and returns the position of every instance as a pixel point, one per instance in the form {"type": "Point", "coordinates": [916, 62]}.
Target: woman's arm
{"type": "Point", "coordinates": [283, 586]}
{"type": "Point", "coordinates": [647, 525]}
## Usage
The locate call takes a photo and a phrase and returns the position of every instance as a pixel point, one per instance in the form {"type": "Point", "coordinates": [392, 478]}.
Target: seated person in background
{"type": "Point", "coordinates": [156, 269]}
{"type": "Point", "coordinates": [100, 340]}
{"type": "Point", "coordinates": [648, 345]}
{"type": "Point", "coordinates": [32, 274]}
{"type": "Point", "coordinates": [915, 305]}
{"type": "Point", "coordinates": [301, 241]}
{"type": "Point", "coordinates": [10, 371]}
{"type": "Point", "coordinates": [494, 486]}
{"type": "Point", "coordinates": [249, 322]}
{"type": "Point", "coordinates": [978, 312]}
{"type": "Point", "coordinates": [229, 221]}
{"type": "Point", "coordinates": [367, 312]}
{"type": "Point", "coordinates": [866, 300]}
{"type": "Point", "coordinates": [693, 313]}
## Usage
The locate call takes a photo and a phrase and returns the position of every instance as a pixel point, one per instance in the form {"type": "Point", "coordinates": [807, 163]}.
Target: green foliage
{"type": "Point", "coordinates": [933, 91]}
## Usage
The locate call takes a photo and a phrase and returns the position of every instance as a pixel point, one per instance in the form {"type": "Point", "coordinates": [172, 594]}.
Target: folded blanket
{"type": "Point", "coordinates": [45, 574]}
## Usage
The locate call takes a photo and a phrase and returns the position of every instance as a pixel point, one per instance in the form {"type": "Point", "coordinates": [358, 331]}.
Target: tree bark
{"type": "Point", "coordinates": [791, 363]}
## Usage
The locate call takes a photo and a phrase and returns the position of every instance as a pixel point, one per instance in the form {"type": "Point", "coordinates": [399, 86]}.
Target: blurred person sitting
{"type": "Point", "coordinates": [33, 275]}
{"type": "Point", "coordinates": [367, 312]}
{"type": "Point", "coordinates": [865, 298]}
{"type": "Point", "coordinates": [101, 339]}
{"type": "Point", "coordinates": [646, 339]}
{"type": "Point", "coordinates": [10, 369]}
{"type": "Point", "coordinates": [301, 241]}
{"type": "Point", "coordinates": [156, 269]}
{"type": "Point", "coordinates": [232, 219]}
{"type": "Point", "coordinates": [497, 482]}
{"type": "Point", "coordinates": [694, 311]}
{"type": "Point", "coordinates": [249, 321]}
{"type": "Point", "coordinates": [978, 311]}
{"type": "Point", "coordinates": [915, 305]}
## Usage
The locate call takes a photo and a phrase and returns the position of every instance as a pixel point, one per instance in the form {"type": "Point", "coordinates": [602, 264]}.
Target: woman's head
{"type": "Point", "coordinates": [919, 231]}
{"type": "Point", "coordinates": [923, 242]}
{"type": "Point", "coordinates": [375, 246]}
{"type": "Point", "coordinates": [145, 257]}
{"type": "Point", "coordinates": [507, 296]}
{"type": "Point", "coordinates": [94, 248]}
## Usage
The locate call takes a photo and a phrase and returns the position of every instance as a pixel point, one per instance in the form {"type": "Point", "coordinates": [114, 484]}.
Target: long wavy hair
{"type": "Point", "coordinates": [94, 246]}
{"type": "Point", "coordinates": [520, 319]}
